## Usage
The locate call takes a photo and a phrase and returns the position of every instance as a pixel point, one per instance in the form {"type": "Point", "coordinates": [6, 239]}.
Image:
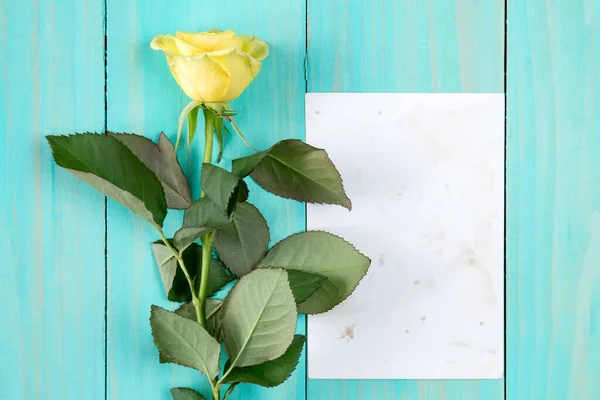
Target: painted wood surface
{"type": "Point", "coordinates": [52, 81]}
{"type": "Point", "coordinates": [144, 98]}
{"type": "Point", "coordinates": [52, 226]}
{"type": "Point", "coordinates": [553, 224]}
{"type": "Point", "coordinates": [405, 46]}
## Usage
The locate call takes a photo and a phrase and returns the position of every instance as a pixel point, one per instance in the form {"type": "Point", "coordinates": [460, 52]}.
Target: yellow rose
{"type": "Point", "coordinates": [214, 66]}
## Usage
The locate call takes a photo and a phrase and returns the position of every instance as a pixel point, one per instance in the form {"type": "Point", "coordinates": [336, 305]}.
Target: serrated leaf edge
{"type": "Point", "coordinates": [231, 199]}
{"type": "Point", "coordinates": [301, 198]}
{"type": "Point", "coordinates": [159, 224]}
{"type": "Point", "coordinates": [339, 237]}
{"type": "Point", "coordinates": [162, 352]}
{"type": "Point", "coordinates": [186, 388]}
{"type": "Point", "coordinates": [312, 273]}
{"type": "Point", "coordinates": [225, 302]}
{"type": "Point", "coordinates": [237, 231]}
{"type": "Point", "coordinates": [162, 136]}
{"type": "Point", "coordinates": [288, 376]}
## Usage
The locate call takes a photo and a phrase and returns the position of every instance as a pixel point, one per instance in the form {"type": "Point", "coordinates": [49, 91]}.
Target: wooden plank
{"type": "Point", "coordinates": [51, 81]}
{"type": "Point", "coordinates": [144, 98]}
{"type": "Point", "coordinates": [553, 225]}
{"type": "Point", "coordinates": [405, 46]}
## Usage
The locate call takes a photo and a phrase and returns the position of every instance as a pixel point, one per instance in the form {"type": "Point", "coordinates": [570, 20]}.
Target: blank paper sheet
{"type": "Point", "coordinates": [425, 173]}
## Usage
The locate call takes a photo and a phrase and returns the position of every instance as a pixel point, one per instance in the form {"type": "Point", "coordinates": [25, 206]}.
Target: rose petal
{"type": "Point", "coordinates": [255, 47]}
{"type": "Point", "coordinates": [206, 40]}
{"type": "Point", "coordinates": [250, 45]}
{"type": "Point", "coordinates": [201, 78]}
{"type": "Point", "coordinates": [172, 44]}
{"type": "Point", "coordinates": [241, 69]}
{"type": "Point", "coordinates": [212, 66]}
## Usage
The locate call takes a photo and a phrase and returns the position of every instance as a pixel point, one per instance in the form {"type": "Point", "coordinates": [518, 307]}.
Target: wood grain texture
{"type": "Point", "coordinates": [51, 81]}
{"type": "Point", "coordinates": [144, 98]}
{"type": "Point", "coordinates": [405, 46]}
{"type": "Point", "coordinates": [52, 226]}
{"type": "Point", "coordinates": [553, 224]}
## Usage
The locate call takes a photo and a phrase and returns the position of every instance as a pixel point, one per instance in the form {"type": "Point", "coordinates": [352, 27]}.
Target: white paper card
{"type": "Point", "coordinates": [425, 173]}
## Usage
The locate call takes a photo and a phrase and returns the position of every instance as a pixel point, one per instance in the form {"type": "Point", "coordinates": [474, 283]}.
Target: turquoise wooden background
{"type": "Point", "coordinates": [77, 277]}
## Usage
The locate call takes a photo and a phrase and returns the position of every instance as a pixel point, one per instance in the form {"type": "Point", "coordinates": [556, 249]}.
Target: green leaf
{"type": "Point", "coordinates": [324, 254]}
{"type": "Point", "coordinates": [184, 113]}
{"type": "Point", "coordinates": [192, 257]}
{"type": "Point", "coordinates": [243, 192]}
{"type": "Point", "coordinates": [200, 218]}
{"type": "Point", "coordinates": [239, 132]}
{"type": "Point", "coordinates": [192, 123]}
{"type": "Point", "coordinates": [244, 166]}
{"type": "Point", "coordinates": [174, 280]}
{"type": "Point", "coordinates": [186, 394]}
{"type": "Point", "coordinates": [295, 170]}
{"type": "Point", "coordinates": [184, 342]}
{"type": "Point", "coordinates": [219, 133]}
{"type": "Point", "coordinates": [212, 307]}
{"type": "Point", "coordinates": [167, 264]}
{"type": "Point", "coordinates": [204, 213]}
{"type": "Point", "coordinates": [184, 237]}
{"type": "Point", "coordinates": [304, 284]}
{"type": "Point", "coordinates": [229, 390]}
{"type": "Point", "coordinates": [214, 320]}
{"type": "Point", "coordinates": [244, 242]}
{"type": "Point", "coordinates": [162, 161]}
{"type": "Point", "coordinates": [259, 317]}
{"type": "Point", "coordinates": [188, 311]}
{"type": "Point", "coordinates": [109, 166]}
{"type": "Point", "coordinates": [223, 188]}
{"type": "Point", "coordinates": [213, 316]}
{"type": "Point", "coordinates": [271, 373]}
{"type": "Point", "coordinates": [180, 288]}
{"type": "Point", "coordinates": [219, 276]}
